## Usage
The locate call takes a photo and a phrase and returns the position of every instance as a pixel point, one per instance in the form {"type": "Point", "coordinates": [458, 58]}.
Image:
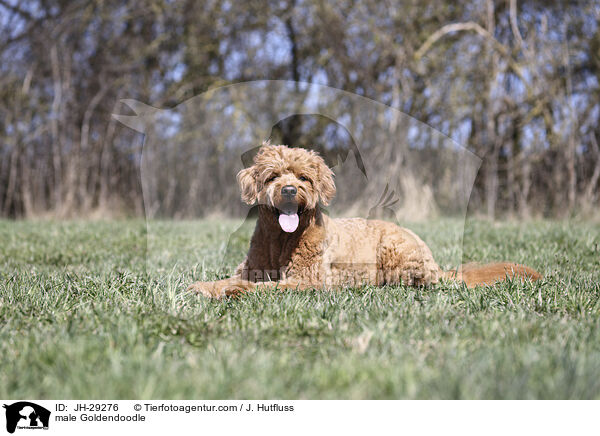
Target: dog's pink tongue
{"type": "Point", "coordinates": [289, 223]}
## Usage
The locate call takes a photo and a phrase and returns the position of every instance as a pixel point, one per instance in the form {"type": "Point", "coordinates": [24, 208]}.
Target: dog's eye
{"type": "Point", "coordinates": [304, 179]}
{"type": "Point", "coordinates": [270, 179]}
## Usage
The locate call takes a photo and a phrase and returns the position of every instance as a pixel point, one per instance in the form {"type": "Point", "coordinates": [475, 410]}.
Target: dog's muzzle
{"type": "Point", "coordinates": [288, 219]}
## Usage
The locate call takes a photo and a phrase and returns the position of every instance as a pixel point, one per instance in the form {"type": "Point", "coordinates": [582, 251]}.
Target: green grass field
{"type": "Point", "coordinates": [98, 310]}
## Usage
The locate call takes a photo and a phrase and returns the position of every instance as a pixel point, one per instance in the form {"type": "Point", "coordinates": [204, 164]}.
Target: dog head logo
{"type": "Point", "coordinates": [26, 415]}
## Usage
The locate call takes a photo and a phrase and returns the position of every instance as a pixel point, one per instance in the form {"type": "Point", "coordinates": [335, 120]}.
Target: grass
{"type": "Point", "coordinates": [98, 310]}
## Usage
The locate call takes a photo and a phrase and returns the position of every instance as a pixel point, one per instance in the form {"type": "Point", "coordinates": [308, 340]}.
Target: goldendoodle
{"type": "Point", "coordinates": [296, 246]}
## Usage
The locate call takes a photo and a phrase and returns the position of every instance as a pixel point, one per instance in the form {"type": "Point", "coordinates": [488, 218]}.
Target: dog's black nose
{"type": "Point", "coordinates": [289, 191]}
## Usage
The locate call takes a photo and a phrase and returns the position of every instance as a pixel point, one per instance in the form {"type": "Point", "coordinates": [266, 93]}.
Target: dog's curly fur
{"type": "Point", "coordinates": [324, 252]}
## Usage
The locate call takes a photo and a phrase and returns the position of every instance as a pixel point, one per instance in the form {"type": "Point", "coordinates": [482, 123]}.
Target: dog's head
{"type": "Point", "coordinates": [289, 181]}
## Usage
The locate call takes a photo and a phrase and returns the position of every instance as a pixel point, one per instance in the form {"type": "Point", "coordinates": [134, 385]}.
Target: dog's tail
{"type": "Point", "coordinates": [474, 274]}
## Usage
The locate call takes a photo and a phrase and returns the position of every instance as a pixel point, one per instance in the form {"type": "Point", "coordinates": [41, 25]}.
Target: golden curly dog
{"type": "Point", "coordinates": [296, 246]}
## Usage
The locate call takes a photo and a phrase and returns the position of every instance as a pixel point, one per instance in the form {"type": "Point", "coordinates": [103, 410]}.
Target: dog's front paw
{"type": "Point", "coordinates": [207, 289]}
{"type": "Point", "coordinates": [234, 290]}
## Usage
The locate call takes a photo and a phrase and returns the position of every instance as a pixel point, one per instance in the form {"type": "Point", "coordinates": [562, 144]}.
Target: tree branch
{"type": "Point", "coordinates": [470, 26]}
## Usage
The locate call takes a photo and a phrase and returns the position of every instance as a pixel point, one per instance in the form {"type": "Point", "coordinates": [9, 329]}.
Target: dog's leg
{"type": "Point", "coordinates": [222, 288]}
{"type": "Point", "coordinates": [402, 257]}
{"type": "Point", "coordinates": [236, 286]}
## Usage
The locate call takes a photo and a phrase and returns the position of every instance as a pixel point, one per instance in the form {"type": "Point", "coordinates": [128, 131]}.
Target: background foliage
{"type": "Point", "coordinates": [515, 82]}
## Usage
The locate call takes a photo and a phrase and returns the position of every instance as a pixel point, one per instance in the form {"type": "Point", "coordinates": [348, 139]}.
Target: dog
{"type": "Point", "coordinates": [296, 246]}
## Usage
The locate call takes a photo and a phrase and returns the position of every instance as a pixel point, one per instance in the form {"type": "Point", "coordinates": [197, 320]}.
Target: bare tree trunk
{"type": "Point", "coordinates": [54, 123]}
{"type": "Point", "coordinates": [573, 125]}
{"type": "Point", "coordinates": [491, 175]}
{"type": "Point", "coordinates": [105, 154]}
{"type": "Point", "coordinates": [12, 182]}
{"type": "Point", "coordinates": [86, 172]}
{"type": "Point", "coordinates": [589, 192]}
{"type": "Point", "coordinates": [525, 186]}
{"type": "Point", "coordinates": [571, 174]}
{"type": "Point", "coordinates": [513, 161]}
{"type": "Point", "coordinates": [25, 183]}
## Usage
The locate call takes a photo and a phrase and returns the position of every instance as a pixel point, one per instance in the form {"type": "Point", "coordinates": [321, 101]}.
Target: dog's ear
{"type": "Point", "coordinates": [326, 185]}
{"type": "Point", "coordinates": [247, 180]}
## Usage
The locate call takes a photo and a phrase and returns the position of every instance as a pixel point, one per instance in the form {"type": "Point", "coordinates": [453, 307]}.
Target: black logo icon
{"type": "Point", "coordinates": [24, 414]}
